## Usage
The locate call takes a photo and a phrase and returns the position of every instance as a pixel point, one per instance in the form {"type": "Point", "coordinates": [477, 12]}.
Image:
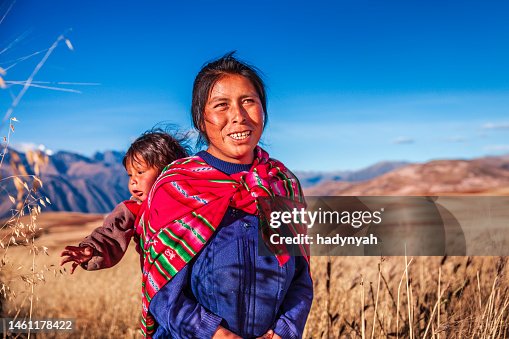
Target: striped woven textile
{"type": "Point", "coordinates": [185, 207]}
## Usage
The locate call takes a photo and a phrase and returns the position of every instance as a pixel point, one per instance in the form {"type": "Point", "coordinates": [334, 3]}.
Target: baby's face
{"type": "Point", "coordinates": [141, 178]}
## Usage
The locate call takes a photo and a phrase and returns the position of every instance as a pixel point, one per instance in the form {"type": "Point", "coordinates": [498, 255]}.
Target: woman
{"type": "Point", "coordinates": [202, 275]}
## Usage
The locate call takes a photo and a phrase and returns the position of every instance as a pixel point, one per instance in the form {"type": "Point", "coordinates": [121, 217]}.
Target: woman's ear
{"type": "Point", "coordinates": [203, 133]}
{"type": "Point", "coordinates": [202, 128]}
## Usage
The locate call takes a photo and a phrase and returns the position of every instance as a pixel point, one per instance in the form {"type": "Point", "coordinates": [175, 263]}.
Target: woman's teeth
{"type": "Point", "coordinates": [240, 136]}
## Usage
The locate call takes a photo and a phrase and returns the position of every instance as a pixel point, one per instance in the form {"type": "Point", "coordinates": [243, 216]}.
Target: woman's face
{"type": "Point", "coordinates": [233, 119]}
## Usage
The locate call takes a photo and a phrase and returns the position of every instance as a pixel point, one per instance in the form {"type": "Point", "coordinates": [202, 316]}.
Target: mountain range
{"type": "Point", "coordinates": [73, 182]}
{"type": "Point", "coordinates": [309, 179]}
{"type": "Point", "coordinates": [488, 176]}
{"type": "Point", "coordinates": [96, 184]}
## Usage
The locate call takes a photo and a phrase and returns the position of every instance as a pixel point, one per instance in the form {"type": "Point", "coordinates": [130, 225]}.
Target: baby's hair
{"type": "Point", "coordinates": [156, 148]}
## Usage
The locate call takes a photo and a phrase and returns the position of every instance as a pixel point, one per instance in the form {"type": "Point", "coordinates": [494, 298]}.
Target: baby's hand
{"type": "Point", "coordinates": [78, 255]}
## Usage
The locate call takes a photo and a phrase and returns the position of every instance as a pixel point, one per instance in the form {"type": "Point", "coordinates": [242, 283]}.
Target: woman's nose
{"type": "Point", "coordinates": [238, 113]}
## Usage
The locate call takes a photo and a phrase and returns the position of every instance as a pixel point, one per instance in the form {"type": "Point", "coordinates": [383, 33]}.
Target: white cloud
{"type": "Point", "coordinates": [497, 148]}
{"type": "Point", "coordinates": [403, 141]}
{"type": "Point", "coordinates": [491, 125]}
{"type": "Point", "coordinates": [27, 146]}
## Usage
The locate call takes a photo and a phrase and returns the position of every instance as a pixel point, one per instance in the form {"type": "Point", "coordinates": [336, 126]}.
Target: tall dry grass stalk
{"type": "Point", "coordinates": [375, 301]}
{"type": "Point", "coordinates": [457, 297]}
{"type": "Point", "coordinates": [20, 227]}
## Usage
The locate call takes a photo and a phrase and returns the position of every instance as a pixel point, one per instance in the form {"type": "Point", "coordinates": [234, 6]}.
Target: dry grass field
{"type": "Point", "coordinates": [105, 304]}
{"type": "Point", "coordinates": [363, 301]}
{"type": "Point", "coordinates": [355, 297]}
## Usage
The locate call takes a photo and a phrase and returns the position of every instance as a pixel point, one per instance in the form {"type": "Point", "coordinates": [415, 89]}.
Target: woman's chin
{"type": "Point", "coordinates": [244, 153]}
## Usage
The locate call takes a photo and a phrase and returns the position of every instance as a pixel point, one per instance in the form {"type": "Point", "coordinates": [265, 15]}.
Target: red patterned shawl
{"type": "Point", "coordinates": [186, 205]}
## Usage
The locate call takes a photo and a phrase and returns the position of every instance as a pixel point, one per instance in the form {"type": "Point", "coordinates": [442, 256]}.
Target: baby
{"type": "Point", "coordinates": [144, 161]}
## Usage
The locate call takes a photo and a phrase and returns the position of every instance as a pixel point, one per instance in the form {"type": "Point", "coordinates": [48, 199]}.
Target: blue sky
{"type": "Point", "coordinates": [350, 83]}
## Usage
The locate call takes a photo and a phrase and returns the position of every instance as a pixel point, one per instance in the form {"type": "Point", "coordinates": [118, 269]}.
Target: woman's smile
{"type": "Point", "coordinates": [240, 135]}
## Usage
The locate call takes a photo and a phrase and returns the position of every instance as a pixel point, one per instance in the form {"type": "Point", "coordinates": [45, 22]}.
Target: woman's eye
{"type": "Point", "coordinates": [248, 100]}
{"type": "Point", "coordinates": [220, 105]}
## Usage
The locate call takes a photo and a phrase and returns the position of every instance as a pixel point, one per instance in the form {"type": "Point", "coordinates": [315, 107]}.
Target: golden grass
{"type": "Point", "coordinates": [105, 304]}
{"type": "Point", "coordinates": [455, 297]}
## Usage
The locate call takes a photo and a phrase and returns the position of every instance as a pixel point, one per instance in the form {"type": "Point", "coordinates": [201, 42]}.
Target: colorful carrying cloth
{"type": "Point", "coordinates": [133, 206]}
{"type": "Point", "coordinates": [199, 196]}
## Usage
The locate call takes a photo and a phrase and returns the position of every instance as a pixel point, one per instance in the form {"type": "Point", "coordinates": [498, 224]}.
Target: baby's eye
{"type": "Point", "coordinates": [141, 172]}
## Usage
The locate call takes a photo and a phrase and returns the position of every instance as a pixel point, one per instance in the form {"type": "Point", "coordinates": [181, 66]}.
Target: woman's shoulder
{"type": "Point", "coordinates": [173, 183]}
{"type": "Point", "coordinates": [177, 175]}
{"type": "Point", "coordinates": [281, 167]}
{"type": "Point", "coordinates": [184, 163]}
{"type": "Point", "coordinates": [285, 181]}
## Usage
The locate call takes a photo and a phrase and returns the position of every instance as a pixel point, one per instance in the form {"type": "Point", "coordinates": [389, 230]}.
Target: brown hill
{"type": "Point", "coordinates": [72, 182]}
{"type": "Point", "coordinates": [479, 176]}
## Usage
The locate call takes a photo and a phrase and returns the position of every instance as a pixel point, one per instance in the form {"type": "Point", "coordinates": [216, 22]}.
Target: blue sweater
{"type": "Point", "coordinates": [228, 284]}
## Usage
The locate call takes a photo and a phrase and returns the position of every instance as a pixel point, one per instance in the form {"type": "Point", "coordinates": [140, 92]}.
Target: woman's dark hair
{"type": "Point", "coordinates": [210, 74]}
{"type": "Point", "coordinates": [157, 148]}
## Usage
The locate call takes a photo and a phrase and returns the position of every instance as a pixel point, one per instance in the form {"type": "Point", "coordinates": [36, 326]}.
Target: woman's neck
{"type": "Point", "coordinates": [224, 166]}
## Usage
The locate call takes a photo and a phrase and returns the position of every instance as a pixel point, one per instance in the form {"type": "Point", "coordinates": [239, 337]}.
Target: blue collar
{"type": "Point", "coordinates": [224, 166]}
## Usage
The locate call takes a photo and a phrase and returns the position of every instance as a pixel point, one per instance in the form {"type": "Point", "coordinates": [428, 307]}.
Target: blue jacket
{"type": "Point", "coordinates": [228, 284]}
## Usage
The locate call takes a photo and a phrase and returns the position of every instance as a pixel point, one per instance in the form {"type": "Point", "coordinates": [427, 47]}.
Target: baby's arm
{"type": "Point", "coordinates": [110, 241]}
{"type": "Point", "coordinates": [107, 243]}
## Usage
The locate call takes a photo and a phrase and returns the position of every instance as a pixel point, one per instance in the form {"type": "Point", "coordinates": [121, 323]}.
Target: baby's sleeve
{"type": "Point", "coordinates": [110, 241]}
